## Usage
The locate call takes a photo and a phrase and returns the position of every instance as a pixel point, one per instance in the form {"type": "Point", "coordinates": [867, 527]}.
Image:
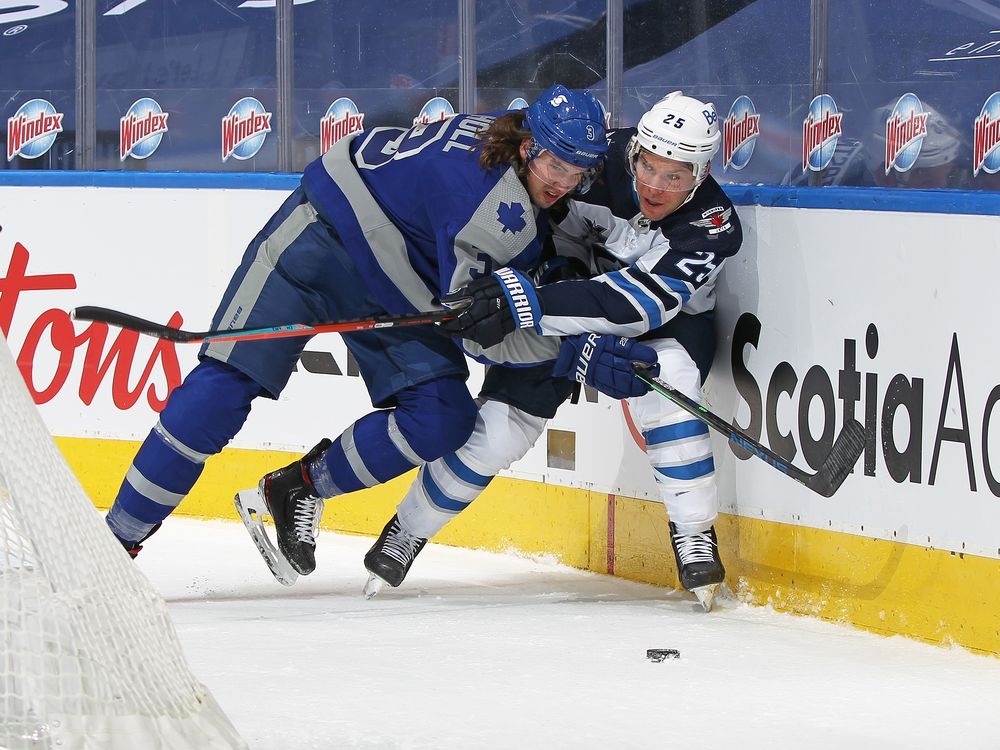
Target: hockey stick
{"type": "Point", "coordinates": [131, 322]}
{"type": "Point", "coordinates": [847, 448]}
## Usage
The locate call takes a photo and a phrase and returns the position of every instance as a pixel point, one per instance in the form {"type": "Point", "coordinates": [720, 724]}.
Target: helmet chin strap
{"type": "Point", "coordinates": [691, 194]}
{"type": "Point", "coordinates": [704, 176]}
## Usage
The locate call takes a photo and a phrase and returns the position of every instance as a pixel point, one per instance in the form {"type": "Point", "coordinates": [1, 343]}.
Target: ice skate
{"type": "Point", "coordinates": [698, 565]}
{"type": "Point", "coordinates": [133, 548]}
{"type": "Point", "coordinates": [253, 511]}
{"type": "Point", "coordinates": [288, 497]}
{"type": "Point", "coordinates": [390, 558]}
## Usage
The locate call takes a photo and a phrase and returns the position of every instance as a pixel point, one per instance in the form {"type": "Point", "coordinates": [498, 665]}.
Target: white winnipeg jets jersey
{"type": "Point", "coordinates": [647, 272]}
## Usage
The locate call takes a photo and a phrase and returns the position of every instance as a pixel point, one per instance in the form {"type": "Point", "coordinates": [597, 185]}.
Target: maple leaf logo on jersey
{"type": "Point", "coordinates": [715, 220]}
{"type": "Point", "coordinates": [511, 217]}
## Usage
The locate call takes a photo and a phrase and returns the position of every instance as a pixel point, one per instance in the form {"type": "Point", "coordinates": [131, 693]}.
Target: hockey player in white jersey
{"type": "Point", "coordinates": [384, 223]}
{"type": "Point", "coordinates": [661, 229]}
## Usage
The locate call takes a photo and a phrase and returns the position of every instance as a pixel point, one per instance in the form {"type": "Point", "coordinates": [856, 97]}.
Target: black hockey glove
{"type": "Point", "coordinates": [605, 362]}
{"type": "Point", "coordinates": [491, 307]}
{"type": "Point", "coordinates": [560, 268]}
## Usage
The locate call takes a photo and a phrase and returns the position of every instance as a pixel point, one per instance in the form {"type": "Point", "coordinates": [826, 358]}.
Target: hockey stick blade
{"type": "Point", "coordinates": [847, 448]}
{"type": "Point", "coordinates": [180, 336]}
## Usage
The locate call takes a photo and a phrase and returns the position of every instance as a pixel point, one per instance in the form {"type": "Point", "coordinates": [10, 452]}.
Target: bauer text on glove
{"type": "Point", "coordinates": [605, 362]}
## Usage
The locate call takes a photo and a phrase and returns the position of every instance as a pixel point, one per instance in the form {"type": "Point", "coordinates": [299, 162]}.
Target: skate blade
{"type": "Point", "coordinates": [706, 595]}
{"type": "Point", "coordinates": [252, 509]}
{"type": "Point", "coordinates": [374, 586]}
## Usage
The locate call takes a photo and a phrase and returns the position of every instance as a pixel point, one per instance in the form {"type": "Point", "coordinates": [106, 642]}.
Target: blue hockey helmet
{"type": "Point", "coordinates": [570, 125]}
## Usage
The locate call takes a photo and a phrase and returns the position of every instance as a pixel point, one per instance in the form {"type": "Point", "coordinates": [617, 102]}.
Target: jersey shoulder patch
{"type": "Point", "coordinates": [715, 220]}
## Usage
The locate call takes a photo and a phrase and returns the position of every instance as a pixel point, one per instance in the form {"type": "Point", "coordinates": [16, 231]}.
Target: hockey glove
{"type": "Point", "coordinates": [559, 268]}
{"type": "Point", "coordinates": [605, 362]}
{"type": "Point", "coordinates": [491, 307]}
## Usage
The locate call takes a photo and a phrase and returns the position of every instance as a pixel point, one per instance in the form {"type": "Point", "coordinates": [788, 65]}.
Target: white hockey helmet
{"type": "Point", "coordinates": [681, 128]}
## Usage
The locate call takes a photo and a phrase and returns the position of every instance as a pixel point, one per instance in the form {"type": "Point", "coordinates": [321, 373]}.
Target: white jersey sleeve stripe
{"type": "Point", "coordinates": [681, 288]}
{"type": "Point", "coordinates": [652, 309]}
{"type": "Point", "coordinates": [661, 287]}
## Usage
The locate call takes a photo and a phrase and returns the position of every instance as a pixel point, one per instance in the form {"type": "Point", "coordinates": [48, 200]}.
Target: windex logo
{"type": "Point", "coordinates": [986, 141]}
{"type": "Point", "coordinates": [244, 129]}
{"type": "Point", "coordinates": [341, 119]}
{"type": "Point", "coordinates": [141, 129]}
{"type": "Point", "coordinates": [33, 129]}
{"type": "Point", "coordinates": [820, 132]}
{"type": "Point", "coordinates": [905, 130]}
{"type": "Point", "coordinates": [739, 133]}
{"type": "Point", "coordinates": [435, 110]}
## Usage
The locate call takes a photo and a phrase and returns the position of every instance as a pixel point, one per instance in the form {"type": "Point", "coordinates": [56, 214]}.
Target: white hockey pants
{"type": "Point", "coordinates": [678, 444]}
{"type": "Point", "coordinates": [678, 447]}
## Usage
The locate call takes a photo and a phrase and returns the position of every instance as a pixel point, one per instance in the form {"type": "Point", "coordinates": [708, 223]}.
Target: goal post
{"type": "Point", "coordinates": [89, 658]}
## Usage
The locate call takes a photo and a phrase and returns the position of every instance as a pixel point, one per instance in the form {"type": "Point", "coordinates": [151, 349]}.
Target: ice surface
{"type": "Point", "coordinates": [481, 650]}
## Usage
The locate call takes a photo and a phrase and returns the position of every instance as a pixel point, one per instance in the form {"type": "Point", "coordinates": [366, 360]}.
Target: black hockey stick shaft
{"type": "Point", "coordinates": [846, 450]}
{"type": "Point", "coordinates": [149, 328]}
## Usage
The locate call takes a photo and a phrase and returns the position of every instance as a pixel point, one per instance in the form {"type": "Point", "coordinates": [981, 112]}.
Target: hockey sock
{"type": "Point", "coordinates": [431, 419]}
{"type": "Point", "coordinates": [442, 490]}
{"type": "Point", "coordinates": [446, 487]}
{"type": "Point", "coordinates": [200, 418]}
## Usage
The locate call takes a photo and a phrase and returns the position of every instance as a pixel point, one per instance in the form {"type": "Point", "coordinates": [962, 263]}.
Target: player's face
{"type": "Point", "coordinates": [662, 184]}
{"type": "Point", "coordinates": [550, 178]}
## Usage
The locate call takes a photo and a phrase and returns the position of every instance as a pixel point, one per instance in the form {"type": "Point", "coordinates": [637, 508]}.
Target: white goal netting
{"type": "Point", "coordinates": [89, 659]}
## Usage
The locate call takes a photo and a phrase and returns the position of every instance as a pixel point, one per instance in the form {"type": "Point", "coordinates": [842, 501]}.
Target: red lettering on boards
{"type": "Point", "coordinates": [54, 328]}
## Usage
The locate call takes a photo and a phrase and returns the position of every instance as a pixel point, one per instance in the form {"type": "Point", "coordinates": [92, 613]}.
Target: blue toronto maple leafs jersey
{"type": "Point", "coordinates": [417, 213]}
{"type": "Point", "coordinates": [647, 272]}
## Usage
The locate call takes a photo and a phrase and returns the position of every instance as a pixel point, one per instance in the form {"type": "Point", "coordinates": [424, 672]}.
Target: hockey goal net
{"type": "Point", "coordinates": [89, 659]}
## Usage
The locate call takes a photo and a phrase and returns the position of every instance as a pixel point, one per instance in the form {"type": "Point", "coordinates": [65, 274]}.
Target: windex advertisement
{"type": "Point", "coordinates": [141, 130]}
{"type": "Point", "coordinates": [33, 129]}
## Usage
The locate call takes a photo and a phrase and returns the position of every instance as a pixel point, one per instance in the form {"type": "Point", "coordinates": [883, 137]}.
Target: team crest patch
{"type": "Point", "coordinates": [715, 220]}
{"type": "Point", "coordinates": [511, 217]}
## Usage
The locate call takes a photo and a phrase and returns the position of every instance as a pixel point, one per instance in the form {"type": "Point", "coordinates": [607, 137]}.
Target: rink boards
{"type": "Point", "coordinates": [879, 315]}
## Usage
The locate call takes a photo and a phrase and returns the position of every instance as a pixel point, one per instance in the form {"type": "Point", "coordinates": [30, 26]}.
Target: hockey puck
{"type": "Point", "coordinates": [660, 654]}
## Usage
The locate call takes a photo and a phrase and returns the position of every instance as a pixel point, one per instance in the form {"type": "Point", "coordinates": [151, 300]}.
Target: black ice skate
{"type": "Point", "coordinates": [698, 564]}
{"type": "Point", "coordinates": [289, 498]}
{"type": "Point", "coordinates": [134, 548]}
{"type": "Point", "coordinates": [390, 558]}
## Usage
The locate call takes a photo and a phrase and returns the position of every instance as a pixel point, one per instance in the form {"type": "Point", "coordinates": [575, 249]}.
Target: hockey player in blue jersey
{"type": "Point", "coordinates": [661, 229]}
{"type": "Point", "coordinates": [385, 223]}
